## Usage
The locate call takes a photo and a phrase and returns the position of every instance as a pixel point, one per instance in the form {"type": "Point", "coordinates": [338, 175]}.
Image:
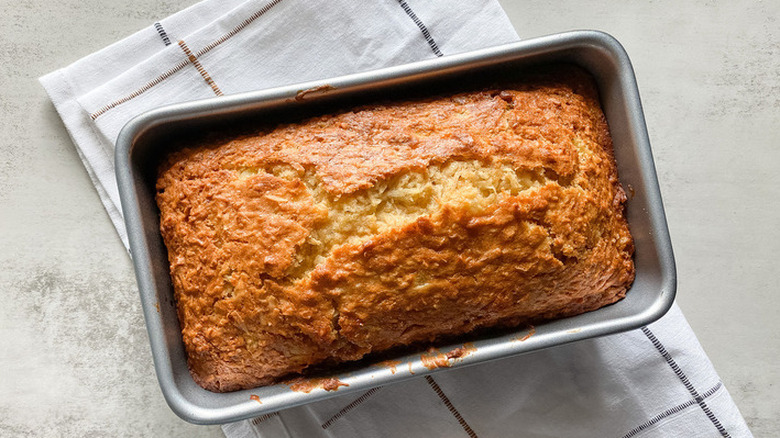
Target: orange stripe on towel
{"type": "Point", "coordinates": [194, 60]}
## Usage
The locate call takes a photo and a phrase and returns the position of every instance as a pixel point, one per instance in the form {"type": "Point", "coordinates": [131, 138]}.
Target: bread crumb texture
{"type": "Point", "coordinates": [352, 233]}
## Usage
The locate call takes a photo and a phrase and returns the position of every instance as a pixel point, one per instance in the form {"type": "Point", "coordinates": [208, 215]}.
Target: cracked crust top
{"type": "Point", "coordinates": [386, 225]}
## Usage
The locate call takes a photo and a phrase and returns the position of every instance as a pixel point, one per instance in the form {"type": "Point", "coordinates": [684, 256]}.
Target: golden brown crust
{"type": "Point", "coordinates": [261, 294]}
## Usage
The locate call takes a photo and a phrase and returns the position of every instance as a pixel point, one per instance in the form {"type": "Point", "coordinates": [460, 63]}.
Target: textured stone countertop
{"type": "Point", "coordinates": [74, 356]}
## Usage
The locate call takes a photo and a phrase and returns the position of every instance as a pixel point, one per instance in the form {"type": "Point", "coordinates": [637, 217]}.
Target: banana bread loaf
{"type": "Point", "coordinates": [393, 224]}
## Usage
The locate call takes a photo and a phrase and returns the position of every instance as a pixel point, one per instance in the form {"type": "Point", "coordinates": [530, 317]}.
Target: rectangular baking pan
{"type": "Point", "coordinates": [147, 138]}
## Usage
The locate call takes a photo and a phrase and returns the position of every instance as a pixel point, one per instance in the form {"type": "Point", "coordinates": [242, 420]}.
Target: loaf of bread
{"type": "Point", "coordinates": [346, 234]}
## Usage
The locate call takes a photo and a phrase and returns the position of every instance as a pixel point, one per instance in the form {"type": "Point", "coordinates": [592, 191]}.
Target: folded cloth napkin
{"type": "Point", "coordinates": [656, 381]}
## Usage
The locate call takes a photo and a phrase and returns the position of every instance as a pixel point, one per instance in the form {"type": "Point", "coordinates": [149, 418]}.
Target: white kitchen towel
{"type": "Point", "coordinates": [651, 382]}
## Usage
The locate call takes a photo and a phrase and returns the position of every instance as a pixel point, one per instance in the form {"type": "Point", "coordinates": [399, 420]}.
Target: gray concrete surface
{"type": "Point", "coordinates": [74, 358]}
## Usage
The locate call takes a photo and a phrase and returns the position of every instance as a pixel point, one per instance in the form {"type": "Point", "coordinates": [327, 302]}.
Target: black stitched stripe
{"type": "Point", "coordinates": [350, 406]}
{"type": "Point", "coordinates": [684, 379]}
{"type": "Point", "coordinates": [422, 27]}
{"type": "Point", "coordinates": [679, 408]}
{"type": "Point", "coordinates": [162, 33]}
{"type": "Point", "coordinates": [260, 419]}
{"type": "Point", "coordinates": [451, 407]}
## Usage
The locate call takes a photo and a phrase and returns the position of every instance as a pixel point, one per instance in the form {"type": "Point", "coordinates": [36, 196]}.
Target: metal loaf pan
{"type": "Point", "coordinates": [147, 138]}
